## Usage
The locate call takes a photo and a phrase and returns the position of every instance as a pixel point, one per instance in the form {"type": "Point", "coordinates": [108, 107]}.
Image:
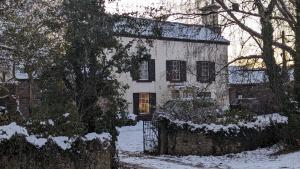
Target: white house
{"type": "Point", "coordinates": [183, 57]}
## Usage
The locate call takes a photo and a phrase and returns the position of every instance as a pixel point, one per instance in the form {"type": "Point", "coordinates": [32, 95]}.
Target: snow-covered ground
{"type": "Point", "coordinates": [130, 145]}
{"type": "Point", "coordinates": [131, 138]}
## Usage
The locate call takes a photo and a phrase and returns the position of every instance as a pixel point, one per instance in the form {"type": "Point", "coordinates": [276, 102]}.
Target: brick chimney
{"type": "Point", "coordinates": [210, 17]}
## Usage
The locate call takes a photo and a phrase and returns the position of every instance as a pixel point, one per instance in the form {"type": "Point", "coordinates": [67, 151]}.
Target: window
{"type": "Point", "coordinates": [144, 71]}
{"type": "Point", "coordinates": [205, 71]}
{"type": "Point", "coordinates": [144, 103]}
{"type": "Point", "coordinates": [176, 70]}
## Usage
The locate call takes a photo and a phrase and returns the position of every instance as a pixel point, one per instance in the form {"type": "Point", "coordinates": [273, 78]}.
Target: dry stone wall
{"type": "Point", "coordinates": [182, 141]}
{"type": "Point", "coordinates": [17, 153]}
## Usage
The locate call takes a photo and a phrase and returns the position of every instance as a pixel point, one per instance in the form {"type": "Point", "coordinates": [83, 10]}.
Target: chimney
{"type": "Point", "coordinates": [210, 16]}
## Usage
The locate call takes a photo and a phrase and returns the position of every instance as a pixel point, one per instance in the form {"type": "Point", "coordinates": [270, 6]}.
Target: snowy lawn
{"type": "Point", "coordinates": [130, 145]}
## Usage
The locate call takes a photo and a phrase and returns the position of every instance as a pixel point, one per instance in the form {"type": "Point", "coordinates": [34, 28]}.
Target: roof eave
{"type": "Point", "coordinates": [226, 42]}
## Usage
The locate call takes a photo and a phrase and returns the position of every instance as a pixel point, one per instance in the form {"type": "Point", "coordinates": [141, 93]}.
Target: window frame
{"type": "Point", "coordinates": [177, 71]}
{"type": "Point", "coordinates": [145, 70]}
{"type": "Point", "coordinates": [205, 71]}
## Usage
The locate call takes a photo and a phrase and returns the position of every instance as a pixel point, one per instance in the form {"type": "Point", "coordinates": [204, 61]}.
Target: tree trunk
{"type": "Point", "coordinates": [30, 81]}
{"type": "Point", "coordinates": [272, 69]}
{"type": "Point", "coordinates": [284, 68]}
{"type": "Point", "coordinates": [297, 56]}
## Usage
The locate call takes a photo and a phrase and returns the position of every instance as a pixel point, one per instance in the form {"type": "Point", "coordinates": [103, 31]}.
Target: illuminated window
{"type": "Point", "coordinates": [144, 103]}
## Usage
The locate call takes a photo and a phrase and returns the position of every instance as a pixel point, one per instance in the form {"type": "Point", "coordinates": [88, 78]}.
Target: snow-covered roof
{"type": "Point", "coordinates": [240, 75]}
{"type": "Point", "coordinates": [138, 27]}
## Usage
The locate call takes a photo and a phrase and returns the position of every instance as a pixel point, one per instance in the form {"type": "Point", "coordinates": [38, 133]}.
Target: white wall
{"type": "Point", "coordinates": [191, 52]}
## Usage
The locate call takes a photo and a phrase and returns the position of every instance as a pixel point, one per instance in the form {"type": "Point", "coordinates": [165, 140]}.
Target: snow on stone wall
{"type": "Point", "coordinates": [258, 123]}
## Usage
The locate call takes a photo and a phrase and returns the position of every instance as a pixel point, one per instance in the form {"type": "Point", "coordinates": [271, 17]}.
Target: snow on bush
{"type": "Point", "coordinates": [131, 116]}
{"type": "Point", "coordinates": [51, 122]}
{"type": "Point", "coordinates": [6, 132]}
{"type": "Point", "coordinates": [38, 142]}
{"type": "Point", "coordinates": [66, 114]}
{"type": "Point", "coordinates": [64, 142]}
{"type": "Point", "coordinates": [259, 123]}
{"type": "Point", "coordinates": [93, 136]}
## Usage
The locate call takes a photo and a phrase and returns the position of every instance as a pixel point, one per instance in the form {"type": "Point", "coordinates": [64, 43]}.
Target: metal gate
{"type": "Point", "coordinates": [150, 136]}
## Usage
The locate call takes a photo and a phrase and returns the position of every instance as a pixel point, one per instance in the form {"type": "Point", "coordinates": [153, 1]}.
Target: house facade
{"type": "Point", "coordinates": [186, 61]}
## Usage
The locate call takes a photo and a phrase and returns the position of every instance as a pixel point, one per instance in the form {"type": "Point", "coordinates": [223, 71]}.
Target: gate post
{"type": "Point", "coordinates": [162, 137]}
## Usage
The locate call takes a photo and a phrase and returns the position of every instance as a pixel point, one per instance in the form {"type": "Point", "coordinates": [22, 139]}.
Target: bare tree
{"type": "Point", "coordinates": [297, 55]}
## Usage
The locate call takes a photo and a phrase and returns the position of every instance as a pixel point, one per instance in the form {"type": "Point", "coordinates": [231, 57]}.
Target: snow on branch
{"type": "Point", "coordinates": [7, 47]}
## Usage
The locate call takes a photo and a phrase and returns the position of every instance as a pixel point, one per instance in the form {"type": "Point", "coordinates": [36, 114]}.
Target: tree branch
{"type": "Point", "coordinates": [7, 48]}
{"type": "Point", "coordinates": [251, 31]}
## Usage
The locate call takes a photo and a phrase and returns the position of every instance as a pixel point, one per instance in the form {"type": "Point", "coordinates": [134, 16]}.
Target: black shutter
{"type": "Point", "coordinates": [152, 102]}
{"type": "Point", "coordinates": [183, 71]}
{"type": "Point", "coordinates": [199, 69]}
{"type": "Point", "coordinates": [136, 103]}
{"type": "Point", "coordinates": [212, 71]}
{"type": "Point", "coordinates": [168, 70]}
{"type": "Point", "coordinates": [151, 69]}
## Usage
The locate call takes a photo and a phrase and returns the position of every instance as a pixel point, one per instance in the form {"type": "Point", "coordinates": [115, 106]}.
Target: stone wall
{"type": "Point", "coordinates": [17, 153]}
{"type": "Point", "coordinates": [180, 141]}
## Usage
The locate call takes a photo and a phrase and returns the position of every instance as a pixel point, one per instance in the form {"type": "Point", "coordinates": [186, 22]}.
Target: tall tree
{"type": "Point", "coordinates": [272, 69]}
{"type": "Point", "coordinates": [297, 55]}
{"type": "Point", "coordinates": [93, 58]}
{"type": "Point", "coordinates": [29, 35]}
{"type": "Point", "coordinates": [270, 15]}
